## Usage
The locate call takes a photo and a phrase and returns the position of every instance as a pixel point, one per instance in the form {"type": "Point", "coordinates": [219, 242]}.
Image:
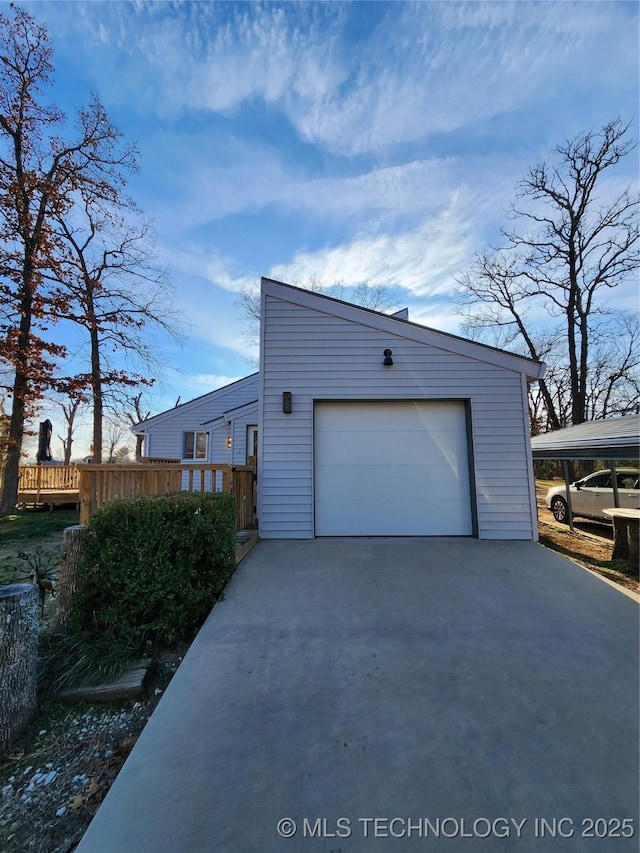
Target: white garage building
{"type": "Point", "coordinates": [434, 442]}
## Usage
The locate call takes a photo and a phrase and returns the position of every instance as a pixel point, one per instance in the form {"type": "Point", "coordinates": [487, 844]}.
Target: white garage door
{"type": "Point", "coordinates": [391, 469]}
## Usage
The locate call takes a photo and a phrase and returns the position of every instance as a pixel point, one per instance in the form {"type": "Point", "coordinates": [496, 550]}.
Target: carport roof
{"type": "Point", "coordinates": [617, 438]}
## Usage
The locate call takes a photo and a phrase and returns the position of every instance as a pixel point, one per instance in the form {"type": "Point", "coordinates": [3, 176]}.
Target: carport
{"type": "Point", "coordinates": [607, 440]}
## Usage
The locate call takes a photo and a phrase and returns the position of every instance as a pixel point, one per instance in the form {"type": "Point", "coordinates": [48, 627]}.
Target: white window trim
{"type": "Point", "coordinates": [194, 458]}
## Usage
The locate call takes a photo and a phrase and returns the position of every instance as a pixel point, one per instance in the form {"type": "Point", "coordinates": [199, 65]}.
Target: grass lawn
{"type": "Point", "coordinates": [32, 532]}
{"type": "Point", "coordinates": [31, 525]}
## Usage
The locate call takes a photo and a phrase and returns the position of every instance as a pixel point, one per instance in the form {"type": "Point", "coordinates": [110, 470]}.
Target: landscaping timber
{"type": "Point", "coordinates": [129, 684]}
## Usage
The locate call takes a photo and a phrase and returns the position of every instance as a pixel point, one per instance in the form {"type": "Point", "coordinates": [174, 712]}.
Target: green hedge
{"type": "Point", "coordinates": [153, 566]}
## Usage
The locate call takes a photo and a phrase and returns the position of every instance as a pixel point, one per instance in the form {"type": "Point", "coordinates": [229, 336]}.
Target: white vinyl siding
{"type": "Point", "coordinates": [218, 442]}
{"type": "Point", "coordinates": [317, 356]}
{"type": "Point", "coordinates": [236, 430]}
{"type": "Point", "coordinates": [165, 430]}
{"type": "Point", "coordinates": [247, 416]}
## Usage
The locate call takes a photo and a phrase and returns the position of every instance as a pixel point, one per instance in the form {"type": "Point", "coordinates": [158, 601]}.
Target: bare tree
{"type": "Point", "coordinates": [363, 294]}
{"type": "Point", "coordinates": [614, 368]}
{"type": "Point", "coordinates": [122, 454]}
{"type": "Point", "coordinates": [40, 176]}
{"type": "Point", "coordinates": [135, 415]}
{"type": "Point", "coordinates": [497, 305]}
{"type": "Point", "coordinates": [117, 292]}
{"type": "Point", "coordinates": [70, 406]}
{"type": "Point", "coordinates": [569, 248]}
{"type": "Point", "coordinates": [115, 432]}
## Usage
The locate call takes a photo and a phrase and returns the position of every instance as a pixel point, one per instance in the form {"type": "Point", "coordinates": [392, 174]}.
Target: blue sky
{"type": "Point", "coordinates": [351, 141]}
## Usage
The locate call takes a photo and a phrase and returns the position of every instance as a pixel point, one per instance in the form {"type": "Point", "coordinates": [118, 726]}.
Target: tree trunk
{"type": "Point", "coordinates": [96, 389]}
{"type": "Point", "coordinates": [66, 445]}
{"type": "Point", "coordinates": [11, 477]}
{"type": "Point", "coordinates": [20, 393]}
{"type": "Point", "coordinates": [18, 660]}
{"type": "Point", "coordinates": [68, 574]}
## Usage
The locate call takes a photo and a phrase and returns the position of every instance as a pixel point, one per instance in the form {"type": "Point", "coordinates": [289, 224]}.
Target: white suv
{"type": "Point", "coordinates": [594, 493]}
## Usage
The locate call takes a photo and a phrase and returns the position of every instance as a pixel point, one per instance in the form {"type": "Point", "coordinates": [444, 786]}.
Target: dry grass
{"type": "Point", "coordinates": [590, 544]}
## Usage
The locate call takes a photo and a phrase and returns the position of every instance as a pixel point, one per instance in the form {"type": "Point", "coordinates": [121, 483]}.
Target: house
{"type": "Point", "coordinates": [372, 425]}
{"type": "Point", "coordinates": [218, 427]}
{"type": "Point", "coordinates": [368, 425]}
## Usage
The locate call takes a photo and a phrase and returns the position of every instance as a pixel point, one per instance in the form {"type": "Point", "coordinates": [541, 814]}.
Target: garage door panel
{"type": "Point", "coordinates": [391, 469]}
{"type": "Point", "coordinates": [394, 518]}
{"type": "Point", "coordinates": [394, 447]}
{"type": "Point", "coordinates": [357, 416]}
{"type": "Point", "coordinates": [355, 482]}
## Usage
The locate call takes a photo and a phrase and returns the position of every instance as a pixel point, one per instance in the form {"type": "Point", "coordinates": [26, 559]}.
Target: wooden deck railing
{"type": "Point", "coordinates": [101, 483]}
{"type": "Point", "coordinates": [37, 478]}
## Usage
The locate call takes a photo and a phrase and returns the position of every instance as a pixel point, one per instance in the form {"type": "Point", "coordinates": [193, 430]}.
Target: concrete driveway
{"type": "Point", "coordinates": [470, 696]}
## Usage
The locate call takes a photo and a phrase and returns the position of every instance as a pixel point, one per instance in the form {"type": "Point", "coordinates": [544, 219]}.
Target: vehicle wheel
{"type": "Point", "coordinates": [560, 510]}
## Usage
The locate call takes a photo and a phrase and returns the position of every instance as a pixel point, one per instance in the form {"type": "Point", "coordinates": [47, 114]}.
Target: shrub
{"type": "Point", "coordinates": [153, 566]}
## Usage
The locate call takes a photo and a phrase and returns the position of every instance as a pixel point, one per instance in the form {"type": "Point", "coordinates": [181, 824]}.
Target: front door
{"type": "Point", "coordinates": [252, 445]}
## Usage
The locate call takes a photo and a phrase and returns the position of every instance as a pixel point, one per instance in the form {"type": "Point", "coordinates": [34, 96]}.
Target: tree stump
{"type": "Point", "coordinates": [634, 543]}
{"type": "Point", "coordinates": [620, 541]}
{"type": "Point", "coordinates": [68, 574]}
{"type": "Point", "coordinates": [18, 660]}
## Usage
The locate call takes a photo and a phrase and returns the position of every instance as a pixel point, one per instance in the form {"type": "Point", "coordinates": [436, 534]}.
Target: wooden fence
{"type": "Point", "coordinates": [243, 486]}
{"type": "Point", "coordinates": [98, 484]}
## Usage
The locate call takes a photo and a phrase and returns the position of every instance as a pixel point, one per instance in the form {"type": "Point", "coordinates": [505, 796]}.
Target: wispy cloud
{"type": "Point", "coordinates": [377, 141]}
{"type": "Point", "coordinates": [426, 68]}
{"type": "Point", "coordinates": [438, 67]}
{"type": "Point", "coordinates": [259, 180]}
{"type": "Point", "coordinates": [422, 260]}
{"type": "Point", "coordinates": [213, 56]}
{"type": "Point", "coordinates": [202, 383]}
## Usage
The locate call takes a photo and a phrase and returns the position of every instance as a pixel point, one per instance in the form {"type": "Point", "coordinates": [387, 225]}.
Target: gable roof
{"type": "Point", "coordinates": [615, 438]}
{"type": "Point", "coordinates": [237, 411]}
{"type": "Point", "coordinates": [403, 328]}
{"type": "Point", "coordinates": [191, 404]}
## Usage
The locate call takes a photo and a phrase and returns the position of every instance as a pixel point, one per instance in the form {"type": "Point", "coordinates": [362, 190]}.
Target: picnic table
{"type": "Point", "coordinates": [626, 533]}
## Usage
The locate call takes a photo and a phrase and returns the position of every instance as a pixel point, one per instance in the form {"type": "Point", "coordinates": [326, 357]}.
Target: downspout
{"type": "Point", "coordinates": [533, 505]}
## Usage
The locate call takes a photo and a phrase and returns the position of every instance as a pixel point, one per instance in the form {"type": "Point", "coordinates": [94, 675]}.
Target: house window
{"type": "Point", "coordinates": [194, 445]}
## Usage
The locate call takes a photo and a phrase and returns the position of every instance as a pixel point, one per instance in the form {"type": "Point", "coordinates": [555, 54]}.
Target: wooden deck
{"type": "Point", "coordinates": [48, 484]}
{"type": "Point", "coordinates": [48, 497]}
{"type": "Point", "coordinates": [91, 485]}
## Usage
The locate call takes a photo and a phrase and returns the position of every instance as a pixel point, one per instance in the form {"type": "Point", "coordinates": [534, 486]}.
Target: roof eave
{"type": "Point", "coordinates": [605, 451]}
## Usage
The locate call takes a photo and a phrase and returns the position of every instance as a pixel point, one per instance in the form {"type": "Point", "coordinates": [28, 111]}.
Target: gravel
{"type": "Point", "coordinates": [54, 779]}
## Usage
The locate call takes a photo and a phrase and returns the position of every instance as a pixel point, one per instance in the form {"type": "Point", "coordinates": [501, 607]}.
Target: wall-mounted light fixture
{"type": "Point", "coordinates": [286, 402]}
{"type": "Point", "coordinates": [388, 361]}
{"type": "Point", "coordinates": [229, 442]}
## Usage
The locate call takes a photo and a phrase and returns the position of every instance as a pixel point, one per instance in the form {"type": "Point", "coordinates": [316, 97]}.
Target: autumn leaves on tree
{"type": "Point", "coordinates": [72, 246]}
